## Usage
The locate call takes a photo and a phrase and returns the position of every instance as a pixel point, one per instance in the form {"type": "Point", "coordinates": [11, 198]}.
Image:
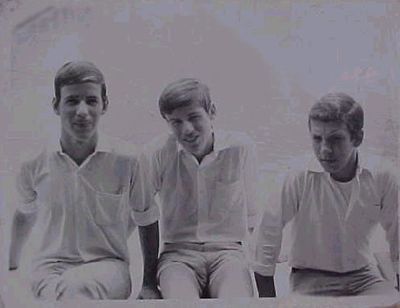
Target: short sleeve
{"type": "Point", "coordinates": [251, 183]}
{"type": "Point", "coordinates": [141, 196]}
{"type": "Point", "coordinates": [281, 209]}
{"type": "Point", "coordinates": [25, 188]}
{"type": "Point", "coordinates": [389, 218]}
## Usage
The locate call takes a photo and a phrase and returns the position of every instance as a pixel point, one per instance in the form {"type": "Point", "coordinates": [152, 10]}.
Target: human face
{"type": "Point", "coordinates": [192, 126]}
{"type": "Point", "coordinates": [335, 148]}
{"type": "Point", "coordinates": [80, 107]}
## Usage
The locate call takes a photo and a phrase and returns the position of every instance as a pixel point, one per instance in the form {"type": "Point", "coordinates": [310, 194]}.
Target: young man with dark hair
{"type": "Point", "coordinates": [334, 204]}
{"type": "Point", "coordinates": [84, 189]}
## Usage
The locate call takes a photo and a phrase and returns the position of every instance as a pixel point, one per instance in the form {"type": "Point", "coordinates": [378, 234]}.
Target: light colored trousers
{"type": "Point", "coordinates": [105, 279]}
{"type": "Point", "coordinates": [364, 281]}
{"type": "Point", "coordinates": [194, 270]}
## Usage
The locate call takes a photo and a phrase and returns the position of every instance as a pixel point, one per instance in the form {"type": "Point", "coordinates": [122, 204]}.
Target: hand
{"type": "Point", "coordinates": [149, 292]}
{"type": "Point", "coordinates": [12, 266]}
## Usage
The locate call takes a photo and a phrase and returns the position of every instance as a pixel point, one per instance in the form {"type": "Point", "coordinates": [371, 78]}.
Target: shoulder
{"type": "Point", "coordinates": [297, 178]}
{"type": "Point", "coordinates": [161, 145]}
{"type": "Point", "coordinates": [119, 149]}
{"type": "Point", "coordinates": [119, 146]}
{"type": "Point", "coordinates": [234, 142]}
{"type": "Point", "coordinates": [235, 138]}
{"type": "Point", "coordinates": [380, 168]}
{"type": "Point", "coordinates": [37, 163]}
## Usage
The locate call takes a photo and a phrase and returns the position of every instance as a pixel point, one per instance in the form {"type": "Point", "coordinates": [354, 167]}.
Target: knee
{"type": "Point", "coordinates": [79, 289]}
{"type": "Point", "coordinates": [177, 282]}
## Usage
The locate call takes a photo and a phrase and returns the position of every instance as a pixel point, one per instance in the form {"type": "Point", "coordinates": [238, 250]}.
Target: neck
{"type": "Point", "coordinates": [78, 149]}
{"type": "Point", "coordinates": [209, 148]}
{"type": "Point", "coordinates": [349, 171]}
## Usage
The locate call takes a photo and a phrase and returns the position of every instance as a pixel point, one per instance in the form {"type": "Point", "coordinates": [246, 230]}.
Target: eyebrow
{"type": "Point", "coordinates": [193, 113]}
{"type": "Point", "coordinates": [336, 132]}
{"type": "Point", "coordinates": [72, 96]}
{"type": "Point", "coordinates": [77, 96]}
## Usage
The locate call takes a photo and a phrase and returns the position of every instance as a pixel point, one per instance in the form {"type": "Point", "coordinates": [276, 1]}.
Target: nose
{"type": "Point", "coordinates": [82, 108]}
{"type": "Point", "coordinates": [326, 148]}
{"type": "Point", "coordinates": [187, 128]}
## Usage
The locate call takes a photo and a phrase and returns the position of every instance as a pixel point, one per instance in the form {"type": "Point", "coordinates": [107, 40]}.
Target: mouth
{"type": "Point", "coordinates": [328, 161]}
{"type": "Point", "coordinates": [82, 124]}
{"type": "Point", "coordinates": [191, 140]}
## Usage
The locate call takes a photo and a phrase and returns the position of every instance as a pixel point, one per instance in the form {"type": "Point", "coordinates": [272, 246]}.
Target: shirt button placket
{"type": "Point", "coordinates": [76, 203]}
{"type": "Point", "coordinates": [201, 208]}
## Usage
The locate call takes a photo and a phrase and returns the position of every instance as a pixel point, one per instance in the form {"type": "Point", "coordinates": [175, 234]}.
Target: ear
{"type": "Point", "coordinates": [358, 138]}
{"type": "Point", "coordinates": [56, 105]}
{"type": "Point", "coordinates": [213, 111]}
{"type": "Point", "coordinates": [105, 105]}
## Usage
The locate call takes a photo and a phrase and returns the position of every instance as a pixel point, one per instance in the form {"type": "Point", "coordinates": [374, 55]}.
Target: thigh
{"type": "Point", "coordinates": [380, 288]}
{"type": "Point", "coordinates": [105, 279]}
{"type": "Point", "coordinates": [230, 275]}
{"type": "Point", "coordinates": [314, 282]}
{"type": "Point", "coordinates": [368, 281]}
{"type": "Point", "coordinates": [181, 274]}
{"type": "Point", "coordinates": [45, 279]}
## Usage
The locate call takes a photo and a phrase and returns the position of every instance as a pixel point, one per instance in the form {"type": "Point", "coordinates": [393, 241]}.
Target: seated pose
{"type": "Point", "coordinates": [335, 204]}
{"type": "Point", "coordinates": [83, 192]}
{"type": "Point", "coordinates": [206, 183]}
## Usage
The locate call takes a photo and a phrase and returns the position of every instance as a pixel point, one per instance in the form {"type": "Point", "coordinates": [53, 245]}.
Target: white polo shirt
{"type": "Point", "coordinates": [214, 201]}
{"type": "Point", "coordinates": [86, 211]}
{"type": "Point", "coordinates": [332, 222]}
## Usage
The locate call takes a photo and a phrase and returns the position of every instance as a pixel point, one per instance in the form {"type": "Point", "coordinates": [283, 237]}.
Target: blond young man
{"type": "Point", "coordinates": [206, 183]}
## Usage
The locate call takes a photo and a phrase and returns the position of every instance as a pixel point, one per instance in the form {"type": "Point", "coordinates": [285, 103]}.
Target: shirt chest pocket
{"type": "Point", "coordinates": [108, 208]}
{"type": "Point", "coordinates": [371, 212]}
{"type": "Point", "coordinates": [226, 198]}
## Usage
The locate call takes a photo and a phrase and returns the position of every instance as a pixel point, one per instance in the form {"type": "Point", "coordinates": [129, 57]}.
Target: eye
{"type": "Point", "coordinates": [194, 118]}
{"type": "Point", "coordinates": [92, 101]}
{"type": "Point", "coordinates": [316, 138]}
{"type": "Point", "coordinates": [174, 123]}
{"type": "Point", "coordinates": [335, 139]}
{"type": "Point", "coordinates": [71, 101]}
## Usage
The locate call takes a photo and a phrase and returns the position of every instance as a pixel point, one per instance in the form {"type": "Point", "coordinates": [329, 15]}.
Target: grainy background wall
{"type": "Point", "coordinates": [266, 62]}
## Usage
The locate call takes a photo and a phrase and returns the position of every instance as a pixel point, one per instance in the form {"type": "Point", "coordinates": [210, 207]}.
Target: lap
{"type": "Point", "coordinates": [365, 281]}
{"type": "Point", "coordinates": [214, 269]}
{"type": "Point", "coordinates": [105, 279]}
{"type": "Point", "coordinates": [181, 273]}
{"type": "Point", "coordinates": [230, 275]}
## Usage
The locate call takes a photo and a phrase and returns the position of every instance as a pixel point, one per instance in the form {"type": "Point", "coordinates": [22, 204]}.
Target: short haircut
{"type": "Point", "coordinates": [77, 72]}
{"type": "Point", "coordinates": [338, 107]}
{"type": "Point", "coordinates": [184, 92]}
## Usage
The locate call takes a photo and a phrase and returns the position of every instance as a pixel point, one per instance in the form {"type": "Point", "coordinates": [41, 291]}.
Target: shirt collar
{"type": "Point", "coordinates": [103, 144]}
{"type": "Point", "coordinates": [315, 166]}
{"type": "Point", "coordinates": [220, 142]}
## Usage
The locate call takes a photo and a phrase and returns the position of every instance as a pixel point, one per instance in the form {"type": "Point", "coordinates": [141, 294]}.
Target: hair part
{"type": "Point", "coordinates": [338, 107]}
{"type": "Point", "coordinates": [77, 72]}
{"type": "Point", "coordinates": [184, 92]}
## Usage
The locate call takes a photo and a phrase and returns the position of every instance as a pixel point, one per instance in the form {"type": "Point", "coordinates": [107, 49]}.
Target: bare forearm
{"type": "Point", "coordinates": [21, 227]}
{"type": "Point", "coordinates": [149, 240]}
{"type": "Point", "coordinates": [265, 285]}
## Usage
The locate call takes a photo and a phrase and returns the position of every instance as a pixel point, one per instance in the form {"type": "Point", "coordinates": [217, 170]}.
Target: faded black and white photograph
{"type": "Point", "coordinates": [199, 153]}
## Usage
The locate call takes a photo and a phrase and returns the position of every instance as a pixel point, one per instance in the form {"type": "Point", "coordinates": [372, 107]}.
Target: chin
{"type": "Point", "coordinates": [329, 169]}
{"type": "Point", "coordinates": [84, 136]}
